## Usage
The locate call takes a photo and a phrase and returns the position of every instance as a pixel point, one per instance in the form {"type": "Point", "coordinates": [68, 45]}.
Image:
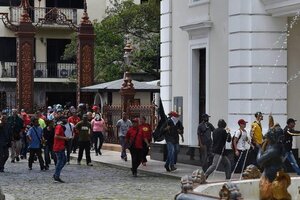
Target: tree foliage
{"type": "Point", "coordinates": [124, 21]}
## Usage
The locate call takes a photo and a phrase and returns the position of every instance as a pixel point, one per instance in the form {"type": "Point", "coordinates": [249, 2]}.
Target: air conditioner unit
{"type": "Point", "coordinates": [66, 70]}
{"type": "Point", "coordinates": [40, 71]}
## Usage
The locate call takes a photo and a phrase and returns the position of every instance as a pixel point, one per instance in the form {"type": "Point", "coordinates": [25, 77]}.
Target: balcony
{"type": "Point", "coordinates": [42, 70]}
{"type": "Point", "coordinates": [51, 15]}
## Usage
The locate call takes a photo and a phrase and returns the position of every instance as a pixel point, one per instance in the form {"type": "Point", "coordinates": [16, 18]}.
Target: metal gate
{"type": "Point", "coordinates": [112, 113]}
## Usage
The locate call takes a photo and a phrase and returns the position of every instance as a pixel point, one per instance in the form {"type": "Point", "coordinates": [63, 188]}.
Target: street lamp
{"type": "Point", "coordinates": [127, 55]}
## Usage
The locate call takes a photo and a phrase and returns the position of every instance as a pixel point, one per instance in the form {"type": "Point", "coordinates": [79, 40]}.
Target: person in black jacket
{"type": "Point", "coordinates": [5, 141]}
{"type": "Point", "coordinates": [220, 137]}
{"type": "Point", "coordinates": [173, 130]}
{"type": "Point", "coordinates": [288, 133]}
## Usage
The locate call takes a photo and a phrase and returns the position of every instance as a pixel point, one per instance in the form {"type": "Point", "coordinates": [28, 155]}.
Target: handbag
{"type": "Point", "coordinates": [131, 145]}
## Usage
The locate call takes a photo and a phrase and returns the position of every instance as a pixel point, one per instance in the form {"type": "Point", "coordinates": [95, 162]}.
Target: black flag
{"type": "Point", "coordinates": [158, 134]}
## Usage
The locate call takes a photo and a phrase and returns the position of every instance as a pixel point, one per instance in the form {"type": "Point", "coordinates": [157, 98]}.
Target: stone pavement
{"type": "Point", "coordinates": [112, 157]}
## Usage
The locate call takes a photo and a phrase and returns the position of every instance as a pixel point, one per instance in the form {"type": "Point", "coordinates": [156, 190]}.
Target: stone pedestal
{"type": "Point", "coordinates": [2, 196]}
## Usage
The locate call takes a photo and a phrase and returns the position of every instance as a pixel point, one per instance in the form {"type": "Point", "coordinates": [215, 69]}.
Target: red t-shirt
{"type": "Point", "coordinates": [74, 120]}
{"type": "Point", "coordinates": [132, 131]}
{"type": "Point", "coordinates": [59, 144]}
{"type": "Point", "coordinates": [146, 130]}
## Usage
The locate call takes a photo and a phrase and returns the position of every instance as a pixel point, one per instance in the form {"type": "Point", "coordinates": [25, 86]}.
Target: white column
{"type": "Point", "coordinates": [166, 54]}
{"type": "Point", "coordinates": [257, 63]}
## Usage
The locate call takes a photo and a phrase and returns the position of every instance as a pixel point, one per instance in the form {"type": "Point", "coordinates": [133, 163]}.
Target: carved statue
{"type": "Point", "coordinates": [198, 177]}
{"type": "Point", "coordinates": [251, 172]}
{"type": "Point", "coordinates": [186, 184]}
{"type": "Point", "coordinates": [230, 191]}
{"type": "Point", "coordinates": [274, 182]}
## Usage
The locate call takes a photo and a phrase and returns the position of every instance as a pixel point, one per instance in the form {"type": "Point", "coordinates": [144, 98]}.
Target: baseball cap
{"type": "Point", "coordinates": [257, 114]}
{"type": "Point", "coordinates": [205, 116]}
{"type": "Point", "coordinates": [173, 114]}
{"type": "Point", "coordinates": [242, 121]}
{"type": "Point", "coordinates": [135, 120]}
{"type": "Point", "coordinates": [290, 120]}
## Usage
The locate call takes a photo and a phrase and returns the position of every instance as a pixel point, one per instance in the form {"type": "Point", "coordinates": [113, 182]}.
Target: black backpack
{"type": "Point", "coordinates": [232, 146]}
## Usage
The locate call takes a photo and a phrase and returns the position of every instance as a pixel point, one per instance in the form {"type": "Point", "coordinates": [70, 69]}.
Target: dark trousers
{"type": "Point", "coordinates": [239, 162]}
{"type": "Point", "coordinates": [38, 153]}
{"type": "Point", "coordinates": [24, 145]}
{"type": "Point", "coordinates": [75, 144]}
{"type": "Point", "coordinates": [69, 149]}
{"type": "Point", "coordinates": [84, 145]}
{"type": "Point", "coordinates": [4, 154]}
{"type": "Point", "coordinates": [145, 152]}
{"type": "Point", "coordinates": [136, 159]}
{"type": "Point", "coordinates": [48, 155]}
{"type": "Point", "coordinates": [96, 136]}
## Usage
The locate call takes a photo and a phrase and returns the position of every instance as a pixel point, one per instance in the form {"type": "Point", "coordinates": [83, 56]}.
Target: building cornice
{"type": "Point", "coordinates": [282, 7]}
{"type": "Point", "coordinates": [197, 28]}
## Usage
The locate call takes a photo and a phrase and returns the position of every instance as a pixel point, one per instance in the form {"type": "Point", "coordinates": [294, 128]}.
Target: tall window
{"type": "Point", "coordinates": [8, 54]}
{"type": "Point", "coordinates": [202, 81]}
{"type": "Point", "coordinates": [10, 2]}
{"type": "Point", "coordinates": [65, 3]}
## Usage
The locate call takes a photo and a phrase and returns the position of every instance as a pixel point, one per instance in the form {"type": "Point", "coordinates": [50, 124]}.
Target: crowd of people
{"type": "Point", "coordinates": [247, 147]}
{"type": "Point", "coordinates": [51, 136]}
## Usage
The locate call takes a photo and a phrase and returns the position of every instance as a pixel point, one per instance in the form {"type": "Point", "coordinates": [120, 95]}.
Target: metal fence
{"type": "Point", "coordinates": [41, 70]}
{"type": "Point", "coordinates": [38, 13]}
{"type": "Point", "coordinates": [112, 113]}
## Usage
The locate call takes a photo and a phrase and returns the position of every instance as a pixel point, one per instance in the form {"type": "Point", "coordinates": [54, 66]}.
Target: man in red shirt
{"type": "Point", "coordinates": [59, 149]}
{"type": "Point", "coordinates": [147, 132]}
{"type": "Point", "coordinates": [135, 138]}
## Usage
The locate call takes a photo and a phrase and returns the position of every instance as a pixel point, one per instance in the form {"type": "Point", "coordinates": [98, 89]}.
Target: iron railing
{"type": "Point", "coordinates": [41, 70]}
{"type": "Point", "coordinates": [39, 13]}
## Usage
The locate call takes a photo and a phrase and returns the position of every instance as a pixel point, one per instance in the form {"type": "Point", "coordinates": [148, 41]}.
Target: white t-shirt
{"type": "Point", "coordinates": [68, 131]}
{"type": "Point", "coordinates": [242, 143]}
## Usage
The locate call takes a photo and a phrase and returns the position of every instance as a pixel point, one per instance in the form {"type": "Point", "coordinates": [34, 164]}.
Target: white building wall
{"type": "Point", "coordinates": [257, 63]}
{"type": "Point", "coordinates": [166, 54]}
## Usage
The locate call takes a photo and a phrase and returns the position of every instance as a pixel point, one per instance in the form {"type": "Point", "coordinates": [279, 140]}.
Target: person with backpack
{"type": "Point", "coordinates": [221, 135]}
{"type": "Point", "coordinates": [240, 147]}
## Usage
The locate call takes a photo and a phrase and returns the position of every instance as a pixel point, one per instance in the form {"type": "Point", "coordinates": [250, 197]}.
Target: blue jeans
{"type": "Point", "coordinates": [171, 154]}
{"type": "Point", "coordinates": [123, 145]}
{"type": "Point", "coordinates": [290, 156]}
{"type": "Point", "coordinates": [61, 161]}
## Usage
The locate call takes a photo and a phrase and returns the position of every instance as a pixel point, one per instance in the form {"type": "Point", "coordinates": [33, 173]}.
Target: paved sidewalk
{"type": "Point", "coordinates": [110, 157]}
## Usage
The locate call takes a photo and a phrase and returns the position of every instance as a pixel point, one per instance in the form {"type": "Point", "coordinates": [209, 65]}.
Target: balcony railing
{"type": "Point", "coordinates": [38, 13]}
{"type": "Point", "coordinates": [41, 70]}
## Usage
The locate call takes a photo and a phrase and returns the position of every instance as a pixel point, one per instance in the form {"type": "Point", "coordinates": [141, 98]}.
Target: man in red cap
{"type": "Point", "coordinates": [239, 146]}
{"type": "Point", "coordinates": [174, 129]}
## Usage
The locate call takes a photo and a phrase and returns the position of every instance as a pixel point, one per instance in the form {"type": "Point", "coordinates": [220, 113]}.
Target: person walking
{"type": "Point", "coordinates": [59, 148]}
{"type": "Point", "coordinates": [135, 139]}
{"type": "Point", "coordinates": [240, 146]}
{"type": "Point", "coordinates": [84, 128]}
{"type": "Point", "coordinates": [48, 135]}
{"type": "Point", "coordinates": [34, 135]}
{"type": "Point", "coordinates": [122, 127]}
{"type": "Point", "coordinates": [5, 141]}
{"type": "Point", "coordinates": [257, 136]}
{"type": "Point", "coordinates": [69, 133]}
{"type": "Point", "coordinates": [204, 132]}
{"type": "Point", "coordinates": [147, 132]}
{"type": "Point", "coordinates": [16, 125]}
{"type": "Point", "coordinates": [74, 119]}
{"type": "Point", "coordinates": [98, 128]}
{"type": "Point", "coordinates": [173, 130]}
{"type": "Point", "coordinates": [220, 137]}
{"type": "Point", "coordinates": [288, 133]}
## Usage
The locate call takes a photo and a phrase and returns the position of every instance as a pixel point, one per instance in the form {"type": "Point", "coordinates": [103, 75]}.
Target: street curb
{"type": "Point", "coordinates": [96, 163]}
